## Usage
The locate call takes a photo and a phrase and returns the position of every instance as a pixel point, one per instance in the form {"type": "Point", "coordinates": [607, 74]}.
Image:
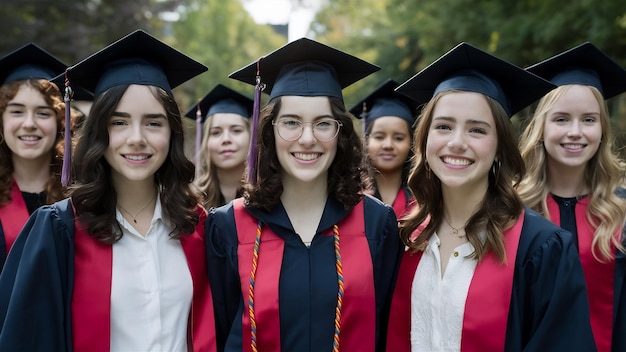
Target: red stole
{"type": "Point", "coordinates": [358, 317]}
{"type": "Point", "coordinates": [486, 308]}
{"type": "Point", "coordinates": [599, 277]}
{"type": "Point", "coordinates": [13, 215]}
{"type": "Point", "coordinates": [91, 298]}
{"type": "Point", "coordinates": [401, 205]}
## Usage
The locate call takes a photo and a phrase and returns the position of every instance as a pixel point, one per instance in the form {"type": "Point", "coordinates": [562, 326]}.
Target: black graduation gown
{"type": "Point", "coordinates": [300, 299]}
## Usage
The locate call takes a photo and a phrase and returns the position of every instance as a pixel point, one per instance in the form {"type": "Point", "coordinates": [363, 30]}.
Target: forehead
{"type": "Point", "coordinates": [305, 106]}
{"type": "Point", "coordinates": [223, 119]}
{"type": "Point", "coordinates": [390, 124]}
{"type": "Point", "coordinates": [463, 106]}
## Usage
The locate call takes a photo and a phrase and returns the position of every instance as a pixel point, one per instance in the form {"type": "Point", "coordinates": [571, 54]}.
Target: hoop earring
{"type": "Point", "coordinates": [428, 171]}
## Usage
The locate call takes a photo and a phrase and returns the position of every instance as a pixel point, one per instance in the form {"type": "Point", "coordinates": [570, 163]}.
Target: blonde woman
{"type": "Point", "coordinates": [574, 176]}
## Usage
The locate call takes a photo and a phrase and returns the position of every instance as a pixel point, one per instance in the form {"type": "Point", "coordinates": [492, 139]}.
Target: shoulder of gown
{"type": "Point", "coordinates": [36, 281]}
{"type": "Point", "coordinates": [549, 307]}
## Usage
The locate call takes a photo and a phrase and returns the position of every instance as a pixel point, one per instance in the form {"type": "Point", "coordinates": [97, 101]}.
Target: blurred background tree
{"type": "Point", "coordinates": [400, 36]}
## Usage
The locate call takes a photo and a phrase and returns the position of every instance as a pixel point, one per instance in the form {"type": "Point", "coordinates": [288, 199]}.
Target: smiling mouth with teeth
{"type": "Point", "coordinates": [136, 157]}
{"type": "Point", "coordinates": [30, 138]}
{"type": "Point", "coordinates": [307, 156]}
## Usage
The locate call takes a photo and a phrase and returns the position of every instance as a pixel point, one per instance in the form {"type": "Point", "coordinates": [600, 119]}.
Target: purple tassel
{"type": "Point", "coordinates": [198, 135]}
{"type": "Point", "coordinates": [252, 153]}
{"type": "Point", "coordinates": [67, 152]}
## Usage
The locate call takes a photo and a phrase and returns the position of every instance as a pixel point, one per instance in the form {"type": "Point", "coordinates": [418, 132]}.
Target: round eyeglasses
{"type": "Point", "coordinates": [291, 129]}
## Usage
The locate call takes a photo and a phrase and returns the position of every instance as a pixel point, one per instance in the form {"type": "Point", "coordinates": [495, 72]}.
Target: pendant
{"type": "Point", "coordinates": [135, 220]}
{"type": "Point", "coordinates": [455, 231]}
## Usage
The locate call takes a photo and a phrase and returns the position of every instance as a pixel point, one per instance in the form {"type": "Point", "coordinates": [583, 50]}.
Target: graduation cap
{"type": "Point", "coordinates": [468, 68]}
{"type": "Point", "coordinates": [303, 67]}
{"type": "Point", "coordinates": [584, 64]}
{"type": "Point", "coordinates": [220, 99]}
{"type": "Point", "coordinates": [29, 62]}
{"type": "Point", "coordinates": [385, 101]}
{"type": "Point", "coordinates": [137, 58]}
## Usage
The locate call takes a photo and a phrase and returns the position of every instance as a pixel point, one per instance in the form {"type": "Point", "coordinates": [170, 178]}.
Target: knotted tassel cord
{"type": "Point", "coordinates": [256, 109]}
{"type": "Point", "coordinates": [255, 260]}
{"type": "Point", "coordinates": [198, 135]}
{"type": "Point", "coordinates": [340, 292]}
{"type": "Point", "coordinates": [67, 152]}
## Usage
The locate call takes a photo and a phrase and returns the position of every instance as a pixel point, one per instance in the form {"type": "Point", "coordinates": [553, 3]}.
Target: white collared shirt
{"type": "Point", "coordinates": [151, 289]}
{"type": "Point", "coordinates": [438, 302]}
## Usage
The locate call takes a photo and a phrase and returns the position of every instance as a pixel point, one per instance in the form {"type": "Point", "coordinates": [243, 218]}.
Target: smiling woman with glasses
{"type": "Point", "coordinates": [291, 129]}
{"type": "Point", "coordinates": [304, 261]}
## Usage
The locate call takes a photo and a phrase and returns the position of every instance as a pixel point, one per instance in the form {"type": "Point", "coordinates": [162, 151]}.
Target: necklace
{"type": "Point", "coordinates": [454, 229]}
{"type": "Point", "coordinates": [140, 210]}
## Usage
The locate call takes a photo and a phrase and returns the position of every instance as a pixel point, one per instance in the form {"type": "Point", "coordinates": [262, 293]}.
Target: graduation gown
{"type": "Point", "coordinates": [548, 308]}
{"type": "Point", "coordinates": [306, 277]}
{"type": "Point", "coordinates": [41, 295]}
{"type": "Point", "coordinates": [605, 281]}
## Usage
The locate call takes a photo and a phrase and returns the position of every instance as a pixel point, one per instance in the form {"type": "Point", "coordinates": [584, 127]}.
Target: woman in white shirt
{"type": "Point", "coordinates": [120, 266]}
{"type": "Point", "coordinates": [482, 272]}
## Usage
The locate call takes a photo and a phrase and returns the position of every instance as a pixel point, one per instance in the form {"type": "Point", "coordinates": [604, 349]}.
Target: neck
{"type": "Point", "coordinates": [31, 175]}
{"type": "Point", "coordinates": [458, 206]}
{"type": "Point", "coordinates": [304, 194]}
{"type": "Point", "coordinates": [566, 182]}
{"type": "Point", "coordinates": [134, 195]}
{"type": "Point", "coordinates": [230, 181]}
{"type": "Point", "coordinates": [388, 184]}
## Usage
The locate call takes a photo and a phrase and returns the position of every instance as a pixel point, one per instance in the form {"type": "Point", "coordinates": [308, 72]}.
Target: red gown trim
{"type": "Point", "coordinates": [91, 299]}
{"type": "Point", "coordinates": [486, 308]}
{"type": "Point", "coordinates": [358, 318]}
{"type": "Point", "coordinates": [13, 215]}
{"type": "Point", "coordinates": [599, 277]}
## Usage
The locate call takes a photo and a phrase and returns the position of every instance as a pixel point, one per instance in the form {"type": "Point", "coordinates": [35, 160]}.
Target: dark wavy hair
{"type": "Point", "coordinates": [501, 206]}
{"type": "Point", "coordinates": [94, 196]}
{"type": "Point", "coordinates": [54, 190]}
{"type": "Point", "coordinates": [346, 176]}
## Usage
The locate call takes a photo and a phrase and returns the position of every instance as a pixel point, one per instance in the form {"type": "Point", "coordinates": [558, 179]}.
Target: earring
{"type": "Point", "coordinates": [428, 171]}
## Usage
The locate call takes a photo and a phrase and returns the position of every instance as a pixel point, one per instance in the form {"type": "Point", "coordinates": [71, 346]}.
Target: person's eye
{"type": "Point", "coordinates": [290, 123]}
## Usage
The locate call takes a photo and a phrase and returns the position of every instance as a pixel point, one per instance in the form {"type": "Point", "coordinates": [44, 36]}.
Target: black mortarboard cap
{"type": "Point", "coordinates": [29, 62]}
{"type": "Point", "coordinates": [385, 101]}
{"type": "Point", "coordinates": [468, 68]}
{"type": "Point", "coordinates": [584, 64]}
{"type": "Point", "coordinates": [137, 58]}
{"type": "Point", "coordinates": [305, 67]}
{"type": "Point", "coordinates": [222, 99]}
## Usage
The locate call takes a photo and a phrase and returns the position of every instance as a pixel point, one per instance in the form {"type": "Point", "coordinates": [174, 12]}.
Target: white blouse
{"type": "Point", "coordinates": [438, 302]}
{"type": "Point", "coordinates": [151, 289]}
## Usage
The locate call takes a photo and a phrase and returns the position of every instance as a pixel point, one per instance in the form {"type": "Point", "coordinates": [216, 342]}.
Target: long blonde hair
{"type": "Point", "coordinates": [604, 173]}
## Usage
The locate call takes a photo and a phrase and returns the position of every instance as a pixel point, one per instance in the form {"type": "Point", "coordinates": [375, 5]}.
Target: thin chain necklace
{"type": "Point", "coordinates": [455, 231]}
{"type": "Point", "coordinates": [140, 210]}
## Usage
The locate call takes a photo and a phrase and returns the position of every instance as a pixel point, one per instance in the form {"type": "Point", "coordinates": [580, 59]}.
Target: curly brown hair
{"type": "Point", "coordinates": [501, 206]}
{"type": "Point", "coordinates": [347, 176]}
{"type": "Point", "coordinates": [54, 190]}
{"type": "Point", "coordinates": [94, 196]}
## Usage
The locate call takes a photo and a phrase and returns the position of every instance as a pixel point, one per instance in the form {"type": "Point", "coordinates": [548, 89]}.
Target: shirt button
{"type": "Point", "coordinates": [456, 254]}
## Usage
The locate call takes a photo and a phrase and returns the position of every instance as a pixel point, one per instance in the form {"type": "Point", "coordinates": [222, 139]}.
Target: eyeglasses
{"type": "Point", "coordinates": [291, 129]}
